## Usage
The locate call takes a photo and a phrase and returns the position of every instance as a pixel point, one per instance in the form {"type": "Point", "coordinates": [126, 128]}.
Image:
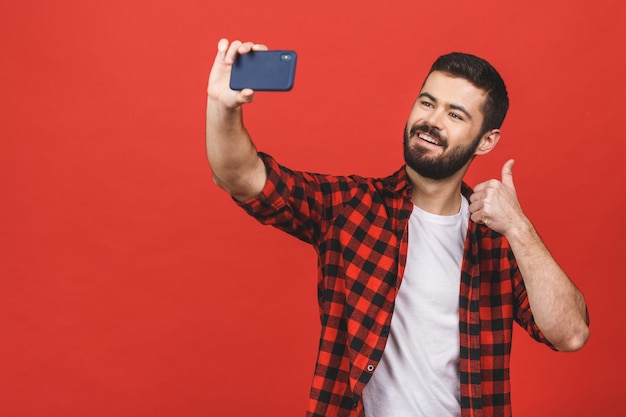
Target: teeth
{"type": "Point", "coordinates": [428, 138]}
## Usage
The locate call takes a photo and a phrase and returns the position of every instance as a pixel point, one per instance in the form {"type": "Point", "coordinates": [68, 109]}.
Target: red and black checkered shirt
{"type": "Point", "coordinates": [358, 227]}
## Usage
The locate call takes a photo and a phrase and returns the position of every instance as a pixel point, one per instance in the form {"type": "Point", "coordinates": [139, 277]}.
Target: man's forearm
{"type": "Point", "coordinates": [234, 161]}
{"type": "Point", "coordinates": [232, 155]}
{"type": "Point", "coordinates": [558, 306]}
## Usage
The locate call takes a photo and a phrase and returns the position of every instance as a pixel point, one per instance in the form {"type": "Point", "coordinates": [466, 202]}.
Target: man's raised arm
{"type": "Point", "coordinates": [233, 157]}
{"type": "Point", "coordinates": [558, 306]}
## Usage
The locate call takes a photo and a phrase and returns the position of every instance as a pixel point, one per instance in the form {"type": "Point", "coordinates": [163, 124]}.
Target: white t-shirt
{"type": "Point", "coordinates": [418, 375]}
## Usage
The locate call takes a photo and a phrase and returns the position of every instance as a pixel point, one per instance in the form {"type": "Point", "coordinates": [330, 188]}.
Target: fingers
{"type": "Point", "coordinates": [477, 204]}
{"type": "Point", "coordinates": [222, 47]}
{"type": "Point", "coordinates": [219, 88]}
{"type": "Point", "coordinates": [229, 52]}
{"type": "Point", "coordinates": [259, 47]}
{"type": "Point", "coordinates": [477, 209]}
{"type": "Point", "coordinates": [479, 218]}
{"type": "Point", "coordinates": [485, 185]}
{"type": "Point", "coordinates": [494, 202]}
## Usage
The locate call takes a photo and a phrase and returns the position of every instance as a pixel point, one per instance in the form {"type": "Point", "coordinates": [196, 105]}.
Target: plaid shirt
{"type": "Point", "coordinates": [359, 228]}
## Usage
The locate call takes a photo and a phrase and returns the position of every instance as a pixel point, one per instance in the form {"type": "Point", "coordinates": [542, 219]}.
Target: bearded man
{"type": "Point", "coordinates": [420, 277]}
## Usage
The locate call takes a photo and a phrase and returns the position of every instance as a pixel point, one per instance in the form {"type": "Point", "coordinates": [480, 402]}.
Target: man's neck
{"type": "Point", "coordinates": [442, 197]}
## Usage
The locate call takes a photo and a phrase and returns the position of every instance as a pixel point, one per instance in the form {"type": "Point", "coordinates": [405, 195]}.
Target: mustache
{"type": "Point", "coordinates": [432, 131]}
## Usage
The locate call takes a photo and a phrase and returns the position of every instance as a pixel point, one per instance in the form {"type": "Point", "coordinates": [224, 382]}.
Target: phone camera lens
{"type": "Point", "coordinates": [285, 57]}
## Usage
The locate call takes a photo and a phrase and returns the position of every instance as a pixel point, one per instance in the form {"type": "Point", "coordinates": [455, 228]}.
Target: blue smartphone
{"type": "Point", "coordinates": [264, 71]}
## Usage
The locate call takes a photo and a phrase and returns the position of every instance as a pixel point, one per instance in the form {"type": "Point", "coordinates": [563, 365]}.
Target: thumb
{"type": "Point", "coordinates": [507, 173]}
{"type": "Point", "coordinates": [222, 47]}
{"type": "Point", "coordinates": [245, 96]}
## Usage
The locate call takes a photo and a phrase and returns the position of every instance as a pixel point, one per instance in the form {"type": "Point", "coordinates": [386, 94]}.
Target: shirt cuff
{"type": "Point", "coordinates": [271, 198]}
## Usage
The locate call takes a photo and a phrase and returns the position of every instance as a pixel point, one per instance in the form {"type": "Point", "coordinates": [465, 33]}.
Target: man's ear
{"type": "Point", "coordinates": [488, 142]}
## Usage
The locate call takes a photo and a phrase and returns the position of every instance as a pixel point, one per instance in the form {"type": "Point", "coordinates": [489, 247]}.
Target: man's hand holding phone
{"type": "Point", "coordinates": [219, 79]}
{"type": "Point", "coordinates": [242, 68]}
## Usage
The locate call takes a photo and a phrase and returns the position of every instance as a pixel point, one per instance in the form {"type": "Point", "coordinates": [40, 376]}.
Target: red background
{"type": "Point", "coordinates": [130, 285]}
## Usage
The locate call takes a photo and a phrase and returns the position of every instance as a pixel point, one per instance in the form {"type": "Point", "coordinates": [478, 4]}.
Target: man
{"type": "Point", "coordinates": [420, 278]}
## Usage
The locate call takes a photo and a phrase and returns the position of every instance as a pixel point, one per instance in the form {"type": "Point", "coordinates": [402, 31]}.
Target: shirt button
{"type": "Point", "coordinates": [370, 368]}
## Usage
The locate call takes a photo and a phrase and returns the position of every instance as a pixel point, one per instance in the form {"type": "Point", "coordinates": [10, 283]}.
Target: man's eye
{"type": "Point", "coordinates": [426, 104]}
{"type": "Point", "coordinates": [456, 116]}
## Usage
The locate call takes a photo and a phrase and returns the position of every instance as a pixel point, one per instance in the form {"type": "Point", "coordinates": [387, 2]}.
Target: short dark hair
{"type": "Point", "coordinates": [482, 75]}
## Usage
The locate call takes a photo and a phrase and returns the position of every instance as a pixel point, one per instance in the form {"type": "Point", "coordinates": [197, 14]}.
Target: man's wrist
{"type": "Point", "coordinates": [521, 231]}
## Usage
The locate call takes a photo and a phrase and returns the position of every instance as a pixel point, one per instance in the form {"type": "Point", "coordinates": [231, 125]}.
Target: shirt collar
{"type": "Point", "coordinates": [398, 183]}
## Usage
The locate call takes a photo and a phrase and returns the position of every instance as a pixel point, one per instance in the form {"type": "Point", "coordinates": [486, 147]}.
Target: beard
{"type": "Point", "coordinates": [438, 167]}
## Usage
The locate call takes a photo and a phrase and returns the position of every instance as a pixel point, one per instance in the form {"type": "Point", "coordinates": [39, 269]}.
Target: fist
{"type": "Point", "coordinates": [494, 203]}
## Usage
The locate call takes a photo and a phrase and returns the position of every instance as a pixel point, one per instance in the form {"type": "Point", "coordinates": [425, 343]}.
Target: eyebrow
{"type": "Point", "coordinates": [452, 106]}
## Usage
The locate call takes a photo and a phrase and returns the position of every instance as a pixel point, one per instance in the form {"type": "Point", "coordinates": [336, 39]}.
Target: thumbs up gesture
{"type": "Point", "coordinates": [494, 203]}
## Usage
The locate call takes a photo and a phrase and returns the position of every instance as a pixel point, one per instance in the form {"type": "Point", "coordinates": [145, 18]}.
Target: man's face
{"type": "Point", "coordinates": [443, 129]}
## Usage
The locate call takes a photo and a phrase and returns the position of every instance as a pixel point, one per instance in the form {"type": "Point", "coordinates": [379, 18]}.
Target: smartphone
{"type": "Point", "coordinates": [264, 71]}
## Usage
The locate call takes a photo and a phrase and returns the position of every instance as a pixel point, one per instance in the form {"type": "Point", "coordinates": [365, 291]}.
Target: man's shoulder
{"type": "Point", "coordinates": [395, 181]}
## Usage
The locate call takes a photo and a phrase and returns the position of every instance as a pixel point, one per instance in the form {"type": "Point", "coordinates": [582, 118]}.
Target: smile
{"type": "Point", "coordinates": [428, 139]}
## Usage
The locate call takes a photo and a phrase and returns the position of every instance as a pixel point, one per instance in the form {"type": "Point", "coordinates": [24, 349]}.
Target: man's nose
{"type": "Point", "coordinates": [435, 119]}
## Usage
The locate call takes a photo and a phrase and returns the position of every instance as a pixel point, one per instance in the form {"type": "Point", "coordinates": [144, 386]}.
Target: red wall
{"type": "Point", "coordinates": [130, 285]}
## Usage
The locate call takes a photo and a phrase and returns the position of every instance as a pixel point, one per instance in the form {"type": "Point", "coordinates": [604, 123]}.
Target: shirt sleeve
{"type": "Point", "coordinates": [299, 203]}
